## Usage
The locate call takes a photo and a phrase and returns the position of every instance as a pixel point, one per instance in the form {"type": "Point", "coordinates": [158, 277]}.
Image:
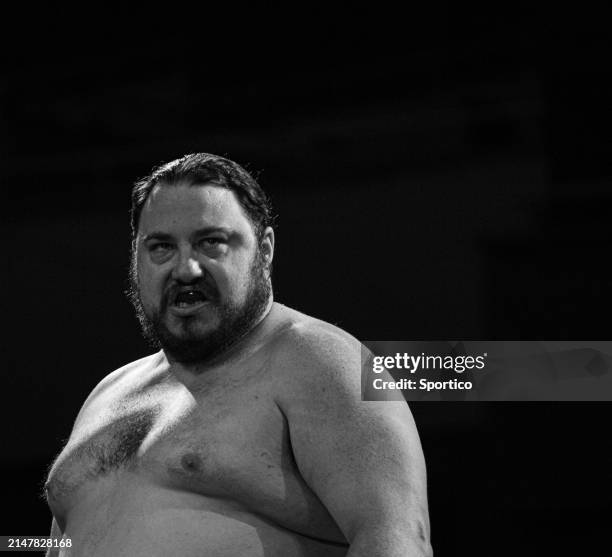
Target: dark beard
{"type": "Point", "coordinates": [235, 321]}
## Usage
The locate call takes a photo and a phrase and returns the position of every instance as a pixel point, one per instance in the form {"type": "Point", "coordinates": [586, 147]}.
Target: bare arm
{"type": "Point", "coordinates": [55, 533]}
{"type": "Point", "coordinates": [363, 459]}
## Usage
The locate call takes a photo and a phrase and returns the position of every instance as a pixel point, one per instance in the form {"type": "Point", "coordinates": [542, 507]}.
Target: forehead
{"type": "Point", "coordinates": [183, 208]}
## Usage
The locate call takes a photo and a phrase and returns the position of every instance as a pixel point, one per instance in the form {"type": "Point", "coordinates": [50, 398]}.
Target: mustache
{"type": "Point", "coordinates": [207, 289]}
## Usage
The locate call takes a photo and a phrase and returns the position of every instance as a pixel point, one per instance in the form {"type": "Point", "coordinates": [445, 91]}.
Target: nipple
{"type": "Point", "coordinates": [191, 462]}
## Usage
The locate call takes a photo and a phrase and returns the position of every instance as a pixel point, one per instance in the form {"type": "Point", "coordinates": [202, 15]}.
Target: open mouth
{"type": "Point", "coordinates": [188, 298]}
{"type": "Point", "coordinates": [189, 301]}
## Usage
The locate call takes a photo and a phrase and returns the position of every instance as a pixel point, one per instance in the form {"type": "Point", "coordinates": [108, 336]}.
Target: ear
{"type": "Point", "coordinates": [267, 246]}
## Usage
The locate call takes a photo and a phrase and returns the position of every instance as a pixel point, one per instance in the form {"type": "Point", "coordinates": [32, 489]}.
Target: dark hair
{"type": "Point", "coordinates": [202, 168]}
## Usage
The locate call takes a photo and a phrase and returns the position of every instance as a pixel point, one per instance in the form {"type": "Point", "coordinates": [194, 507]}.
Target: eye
{"type": "Point", "coordinates": [210, 242]}
{"type": "Point", "coordinates": [160, 247]}
{"type": "Point", "coordinates": [160, 250]}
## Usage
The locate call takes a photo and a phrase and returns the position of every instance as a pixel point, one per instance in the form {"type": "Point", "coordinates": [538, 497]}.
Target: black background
{"type": "Point", "coordinates": [436, 175]}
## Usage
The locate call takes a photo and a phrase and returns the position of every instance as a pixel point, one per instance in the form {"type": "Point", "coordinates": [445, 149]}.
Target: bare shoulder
{"type": "Point", "coordinates": [126, 374]}
{"type": "Point", "coordinates": [317, 359]}
{"type": "Point", "coordinates": [309, 352]}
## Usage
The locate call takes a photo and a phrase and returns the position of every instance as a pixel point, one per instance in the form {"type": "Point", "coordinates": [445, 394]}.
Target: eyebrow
{"type": "Point", "coordinates": [163, 236]}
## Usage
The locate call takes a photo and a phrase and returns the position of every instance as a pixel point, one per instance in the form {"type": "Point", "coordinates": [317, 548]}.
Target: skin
{"type": "Point", "coordinates": [267, 449]}
{"type": "Point", "coordinates": [189, 235]}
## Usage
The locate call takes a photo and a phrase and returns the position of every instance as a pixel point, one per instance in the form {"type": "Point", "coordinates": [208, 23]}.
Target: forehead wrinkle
{"type": "Point", "coordinates": [192, 207]}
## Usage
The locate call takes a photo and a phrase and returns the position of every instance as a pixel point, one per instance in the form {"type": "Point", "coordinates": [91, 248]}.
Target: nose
{"type": "Point", "coordinates": [188, 268]}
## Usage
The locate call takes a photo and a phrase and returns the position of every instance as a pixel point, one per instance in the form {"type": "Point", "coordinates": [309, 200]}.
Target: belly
{"type": "Point", "coordinates": [126, 516]}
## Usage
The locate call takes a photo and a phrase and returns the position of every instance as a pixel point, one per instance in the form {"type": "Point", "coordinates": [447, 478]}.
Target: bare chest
{"type": "Point", "coordinates": [232, 444]}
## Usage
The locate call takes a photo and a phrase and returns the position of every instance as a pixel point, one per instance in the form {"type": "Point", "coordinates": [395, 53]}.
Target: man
{"type": "Point", "coordinates": [246, 435]}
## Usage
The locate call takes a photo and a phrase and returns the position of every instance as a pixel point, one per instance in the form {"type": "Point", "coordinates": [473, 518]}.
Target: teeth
{"type": "Point", "coordinates": [187, 299]}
